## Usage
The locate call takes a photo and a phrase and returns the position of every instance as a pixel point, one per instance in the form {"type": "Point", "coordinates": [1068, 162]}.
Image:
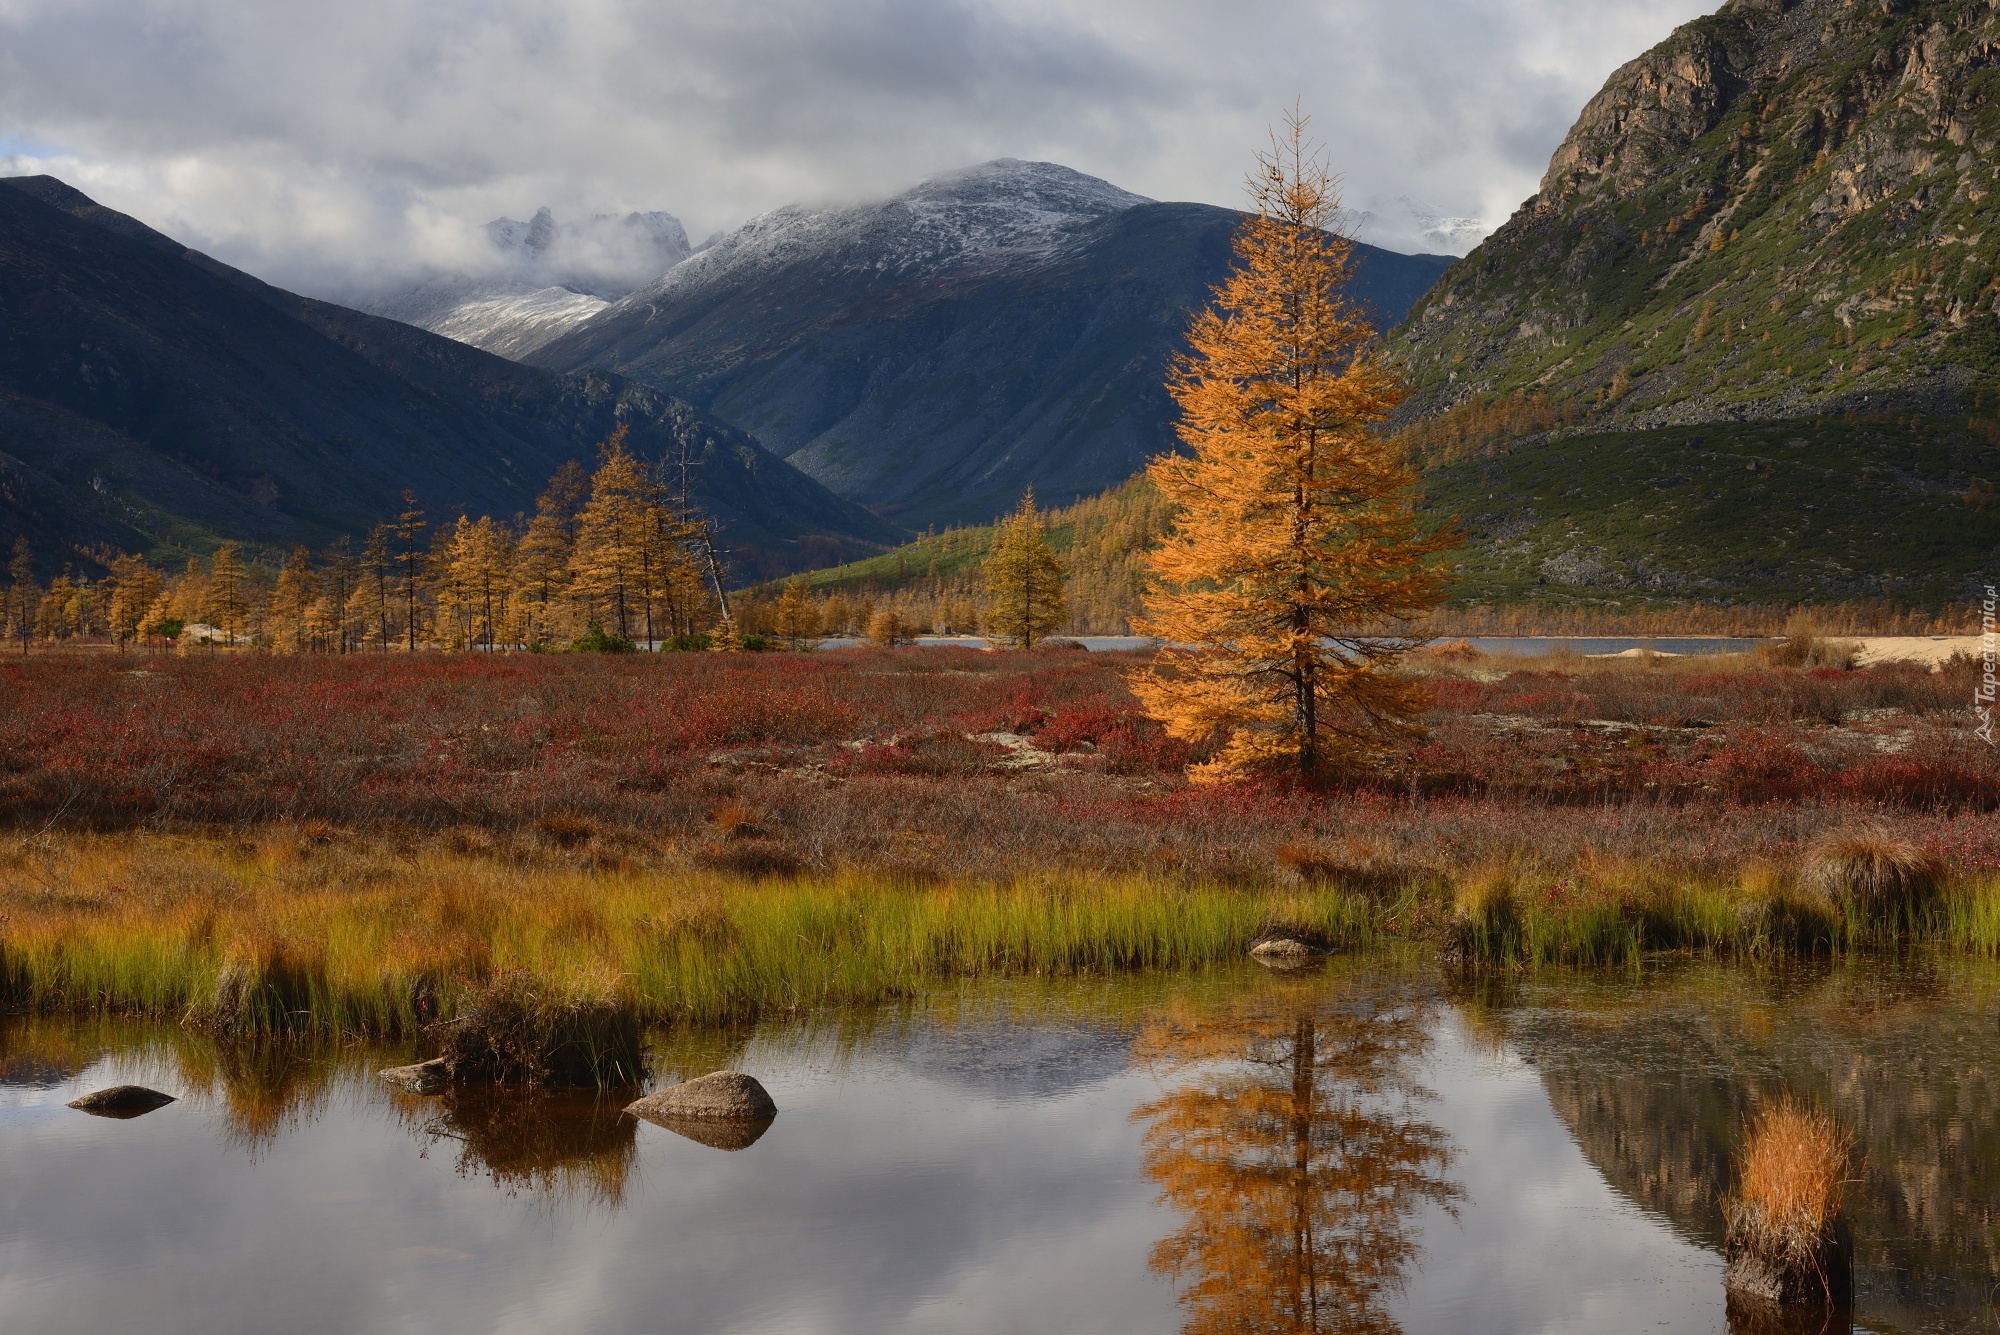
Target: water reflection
{"type": "Point", "coordinates": [267, 1089]}
{"type": "Point", "coordinates": [1298, 1164]}
{"type": "Point", "coordinates": [1656, 1086]}
{"type": "Point", "coordinates": [1228, 1152]}
{"type": "Point", "coordinates": [41, 1052]}
{"type": "Point", "coordinates": [574, 1148]}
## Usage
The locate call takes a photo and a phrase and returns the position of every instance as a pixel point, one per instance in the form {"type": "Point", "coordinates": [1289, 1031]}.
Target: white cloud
{"type": "Point", "coordinates": [320, 145]}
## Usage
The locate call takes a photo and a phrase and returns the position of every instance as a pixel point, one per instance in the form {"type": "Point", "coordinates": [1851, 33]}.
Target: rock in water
{"type": "Point", "coordinates": [122, 1101]}
{"type": "Point", "coordinates": [1286, 953]}
{"type": "Point", "coordinates": [724, 1110]}
{"type": "Point", "coordinates": [719, 1096]}
{"type": "Point", "coordinates": [429, 1077]}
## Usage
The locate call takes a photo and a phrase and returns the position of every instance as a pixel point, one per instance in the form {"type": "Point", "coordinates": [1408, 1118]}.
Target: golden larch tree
{"type": "Point", "coordinates": [1024, 580]}
{"type": "Point", "coordinates": [135, 587]}
{"type": "Point", "coordinates": [796, 617]}
{"type": "Point", "coordinates": [1296, 553]}
{"type": "Point", "coordinates": [331, 621]}
{"type": "Point", "coordinates": [227, 606]}
{"type": "Point", "coordinates": [608, 566]}
{"type": "Point", "coordinates": [541, 564]}
{"type": "Point", "coordinates": [409, 526]}
{"type": "Point", "coordinates": [374, 591]}
{"type": "Point", "coordinates": [291, 602]}
{"type": "Point", "coordinates": [23, 594]}
{"type": "Point", "coordinates": [472, 581]}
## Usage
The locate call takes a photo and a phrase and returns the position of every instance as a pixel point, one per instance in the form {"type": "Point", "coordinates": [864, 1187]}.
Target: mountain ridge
{"type": "Point", "coordinates": [1785, 208]}
{"type": "Point", "coordinates": [155, 397]}
{"type": "Point", "coordinates": [932, 355]}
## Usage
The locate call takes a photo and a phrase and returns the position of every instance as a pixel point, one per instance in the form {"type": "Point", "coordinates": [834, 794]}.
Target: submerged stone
{"type": "Point", "coordinates": [122, 1101]}
{"type": "Point", "coordinates": [1287, 953]}
{"type": "Point", "coordinates": [719, 1096]}
{"type": "Point", "coordinates": [429, 1077]}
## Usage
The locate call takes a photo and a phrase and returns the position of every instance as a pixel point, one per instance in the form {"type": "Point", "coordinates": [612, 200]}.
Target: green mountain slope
{"type": "Point", "coordinates": [1868, 508]}
{"type": "Point", "coordinates": [1875, 509]}
{"type": "Point", "coordinates": [1786, 208]}
{"type": "Point", "coordinates": [939, 579]}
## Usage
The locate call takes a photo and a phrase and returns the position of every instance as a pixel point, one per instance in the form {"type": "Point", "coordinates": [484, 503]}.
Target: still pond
{"type": "Point", "coordinates": [1369, 1148]}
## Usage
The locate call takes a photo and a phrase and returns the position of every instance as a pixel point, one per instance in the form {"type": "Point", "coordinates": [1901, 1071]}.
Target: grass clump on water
{"type": "Point", "coordinates": [1784, 1239]}
{"type": "Point", "coordinates": [510, 1030]}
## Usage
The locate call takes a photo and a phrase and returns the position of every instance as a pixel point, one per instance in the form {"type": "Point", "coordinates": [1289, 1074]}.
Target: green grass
{"type": "Point", "coordinates": [250, 946]}
{"type": "Point", "coordinates": [199, 932]}
{"type": "Point", "coordinates": [1771, 511]}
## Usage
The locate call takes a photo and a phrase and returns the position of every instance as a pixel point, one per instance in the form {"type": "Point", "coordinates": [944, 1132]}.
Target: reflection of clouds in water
{"type": "Point", "coordinates": [920, 1177]}
{"type": "Point", "coordinates": [1540, 1243]}
{"type": "Point", "coordinates": [876, 1202]}
{"type": "Point", "coordinates": [1014, 1060]}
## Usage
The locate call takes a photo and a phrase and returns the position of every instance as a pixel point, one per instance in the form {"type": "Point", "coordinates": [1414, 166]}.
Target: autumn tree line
{"type": "Point", "coordinates": [945, 582]}
{"type": "Point", "coordinates": [1292, 579]}
{"type": "Point", "coordinates": [608, 559]}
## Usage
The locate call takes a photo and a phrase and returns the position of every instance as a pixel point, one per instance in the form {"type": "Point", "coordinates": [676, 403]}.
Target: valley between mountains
{"type": "Point", "coordinates": [1740, 346]}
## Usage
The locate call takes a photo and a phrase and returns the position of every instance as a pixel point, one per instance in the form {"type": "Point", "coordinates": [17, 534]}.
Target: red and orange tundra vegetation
{"type": "Point", "coordinates": [350, 843]}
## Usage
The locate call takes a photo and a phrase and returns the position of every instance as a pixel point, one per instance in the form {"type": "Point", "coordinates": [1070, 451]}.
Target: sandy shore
{"type": "Point", "coordinates": [1930, 650]}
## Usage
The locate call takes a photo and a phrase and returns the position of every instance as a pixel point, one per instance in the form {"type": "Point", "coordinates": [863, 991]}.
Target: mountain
{"type": "Point", "coordinates": [1741, 344]}
{"type": "Point", "coordinates": [932, 355]}
{"type": "Point", "coordinates": [152, 398]}
{"type": "Point", "coordinates": [538, 278]}
{"type": "Point", "coordinates": [1787, 208]}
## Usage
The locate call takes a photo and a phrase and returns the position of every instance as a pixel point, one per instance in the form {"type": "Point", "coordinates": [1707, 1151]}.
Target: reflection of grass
{"type": "Point", "coordinates": [574, 1148]}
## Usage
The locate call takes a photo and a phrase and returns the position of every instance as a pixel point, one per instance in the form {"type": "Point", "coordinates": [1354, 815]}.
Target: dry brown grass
{"type": "Point", "coordinates": [1880, 876]}
{"type": "Point", "coordinates": [512, 1030]}
{"type": "Point", "coordinates": [1791, 1183]}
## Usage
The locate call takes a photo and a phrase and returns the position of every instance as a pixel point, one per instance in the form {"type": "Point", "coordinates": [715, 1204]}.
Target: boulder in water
{"type": "Point", "coordinates": [718, 1133]}
{"type": "Point", "coordinates": [719, 1096]}
{"type": "Point", "coordinates": [429, 1077]}
{"type": "Point", "coordinates": [122, 1101]}
{"type": "Point", "coordinates": [1287, 953]}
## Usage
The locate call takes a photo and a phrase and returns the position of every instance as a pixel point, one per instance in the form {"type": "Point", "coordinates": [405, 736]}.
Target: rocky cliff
{"type": "Point", "coordinates": [1787, 207]}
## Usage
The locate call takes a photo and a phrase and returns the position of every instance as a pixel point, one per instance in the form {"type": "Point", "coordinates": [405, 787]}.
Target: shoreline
{"type": "Point", "coordinates": [293, 938]}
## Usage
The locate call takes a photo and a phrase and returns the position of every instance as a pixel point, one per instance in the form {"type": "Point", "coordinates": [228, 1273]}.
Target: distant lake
{"type": "Point", "coordinates": [1526, 646]}
{"type": "Point", "coordinates": [1536, 646]}
{"type": "Point", "coordinates": [1366, 1148]}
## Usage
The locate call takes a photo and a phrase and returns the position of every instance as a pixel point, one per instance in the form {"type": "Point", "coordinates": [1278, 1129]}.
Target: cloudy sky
{"type": "Point", "coordinates": [325, 145]}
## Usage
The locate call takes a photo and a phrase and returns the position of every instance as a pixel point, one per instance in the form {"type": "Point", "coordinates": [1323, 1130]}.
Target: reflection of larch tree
{"type": "Point", "coordinates": [1298, 1164]}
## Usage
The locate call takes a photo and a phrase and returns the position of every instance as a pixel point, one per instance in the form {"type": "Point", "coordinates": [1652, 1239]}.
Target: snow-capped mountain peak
{"type": "Point", "coordinates": [997, 212]}
{"type": "Point", "coordinates": [539, 278]}
{"type": "Point", "coordinates": [603, 255]}
{"type": "Point", "coordinates": [1407, 224]}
